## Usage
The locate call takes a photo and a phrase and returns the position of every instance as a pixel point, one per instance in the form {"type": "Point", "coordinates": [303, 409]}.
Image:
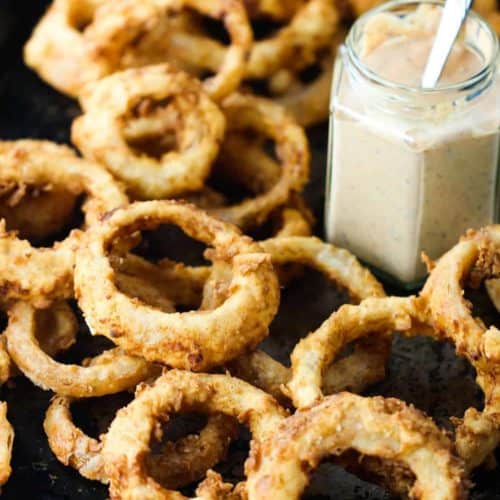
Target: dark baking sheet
{"type": "Point", "coordinates": [421, 372]}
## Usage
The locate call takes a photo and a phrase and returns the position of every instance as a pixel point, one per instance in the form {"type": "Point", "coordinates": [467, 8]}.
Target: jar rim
{"type": "Point", "coordinates": [365, 70]}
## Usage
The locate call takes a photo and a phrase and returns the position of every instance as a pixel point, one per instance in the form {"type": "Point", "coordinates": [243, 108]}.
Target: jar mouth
{"type": "Point", "coordinates": [486, 69]}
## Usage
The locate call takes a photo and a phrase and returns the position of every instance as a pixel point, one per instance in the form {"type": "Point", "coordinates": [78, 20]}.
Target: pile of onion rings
{"type": "Point", "coordinates": [197, 123]}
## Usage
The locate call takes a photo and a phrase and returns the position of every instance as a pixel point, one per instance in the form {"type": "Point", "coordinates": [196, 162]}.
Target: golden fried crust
{"type": "Point", "coordinates": [127, 441]}
{"type": "Point", "coordinates": [118, 24]}
{"type": "Point", "coordinates": [279, 468]}
{"type": "Point", "coordinates": [45, 274]}
{"type": "Point", "coordinates": [196, 339]}
{"type": "Point", "coordinates": [244, 112]}
{"type": "Point", "coordinates": [177, 464]}
{"type": "Point", "coordinates": [6, 441]}
{"type": "Point", "coordinates": [366, 365]}
{"type": "Point", "coordinates": [146, 102]}
{"type": "Point", "coordinates": [116, 372]}
{"type": "Point", "coordinates": [474, 258]}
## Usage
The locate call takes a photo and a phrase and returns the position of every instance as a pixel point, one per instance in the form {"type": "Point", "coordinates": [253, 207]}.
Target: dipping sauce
{"type": "Point", "coordinates": [411, 170]}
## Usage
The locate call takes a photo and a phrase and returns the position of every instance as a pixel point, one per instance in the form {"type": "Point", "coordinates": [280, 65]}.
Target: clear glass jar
{"type": "Point", "coordinates": [410, 170]}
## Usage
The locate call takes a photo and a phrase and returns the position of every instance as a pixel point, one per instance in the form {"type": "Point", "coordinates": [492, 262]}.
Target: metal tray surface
{"type": "Point", "coordinates": [422, 372]}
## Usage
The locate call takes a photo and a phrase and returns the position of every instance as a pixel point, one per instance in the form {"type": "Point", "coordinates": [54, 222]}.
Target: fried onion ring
{"type": "Point", "coordinates": [127, 442]}
{"type": "Point", "coordinates": [57, 49]}
{"type": "Point", "coordinates": [45, 274]}
{"type": "Point", "coordinates": [365, 366]}
{"type": "Point", "coordinates": [116, 371]}
{"type": "Point", "coordinates": [6, 441]}
{"type": "Point", "coordinates": [475, 257]}
{"type": "Point", "coordinates": [279, 468]}
{"type": "Point", "coordinates": [117, 24]}
{"type": "Point", "coordinates": [148, 102]}
{"type": "Point", "coordinates": [56, 332]}
{"type": "Point", "coordinates": [476, 435]}
{"type": "Point", "coordinates": [245, 112]}
{"type": "Point", "coordinates": [295, 46]}
{"type": "Point", "coordinates": [178, 464]}
{"type": "Point", "coordinates": [193, 340]}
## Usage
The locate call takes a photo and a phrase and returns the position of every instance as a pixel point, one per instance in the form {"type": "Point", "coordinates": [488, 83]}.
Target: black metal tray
{"type": "Point", "coordinates": [422, 372]}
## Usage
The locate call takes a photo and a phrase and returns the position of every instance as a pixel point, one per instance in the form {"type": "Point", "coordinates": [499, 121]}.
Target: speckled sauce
{"type": "Point", "coordinates": [409, 179]}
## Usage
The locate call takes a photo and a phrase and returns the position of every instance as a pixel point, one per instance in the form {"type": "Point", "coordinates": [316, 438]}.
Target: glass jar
{"type": "Point", "coordinates": [410, 170]}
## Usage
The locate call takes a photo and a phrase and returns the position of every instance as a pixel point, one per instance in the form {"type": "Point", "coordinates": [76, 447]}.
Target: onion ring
{"type": "Point", "coordinates": [309, 102]}
{"type": "Point", "coordinates": [149, 101]}
{"type": "Point", "coordinates": [179, 463]}
{"type": "Point", "coordinates": [56, 332]}
{"type": "Point", "coordinates": [127, 441]}
{"type": "Point", "coordinates": [115, 373]}
{"type": "Point", "coordinates": [6, 441]}
{"type": "Point", "coordinates": [194, 340]}
{"type": "Point", "coordinates": [62, 53]}
{"type": "Point", "coordinates": [279, 467]}
{"type": "Point", "coordinates": [248, 112]}
{"type": "Point", "coordinates": [117, 24]}
{"type": "Point", "coordinates": [476, 435]}
{"type": "Point", "coordinates": [295, 46]}
{"type": "Point", "coordinates": [45, 274]}
{"type": "Point", "coordinates": [57, 49]}
{"type": "Point", "coordinates": [365, 366]}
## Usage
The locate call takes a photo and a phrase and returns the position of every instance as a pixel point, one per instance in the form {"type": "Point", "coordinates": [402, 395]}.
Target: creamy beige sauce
{"type": "Point", "coordinates": [400, 186]}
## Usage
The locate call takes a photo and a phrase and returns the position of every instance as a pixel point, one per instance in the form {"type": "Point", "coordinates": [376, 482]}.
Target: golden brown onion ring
{"type": "Point", "coordinates": [245, 112]}
{"type": "Point", "coordinates": [58, 50]}
{"type": "Point", "coordinates": [149, 102]}
{"type": "Point", "coordinates": [45, 274]}
{"type": "Point", "coordinates": [295, 46]}
{"type": "Point", "coordinates": [475, 258]}
{"type": "Point", "coordinates": [6, 441]}
{"type": "Point", "coordinates": [365, 366]}
{"type": "Point", "coordinates": [476, 435]}
{"type": "Point", "coordinates": [127, 442]}
{"type": "Point", "coordinates": [193, 340]}
{"type": "Point", "coordinates": [279, 468]}
{"type": "Point", "coordinates": [117, 24]}
{"type": "Point", "coordinates": [56, 332]}
{"type": "Point", "coordinates": [178, 464]}
{"type": "Point", "coordinates": [116, 371]}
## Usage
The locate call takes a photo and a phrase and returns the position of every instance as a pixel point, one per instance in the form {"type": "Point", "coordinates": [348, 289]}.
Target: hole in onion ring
{"type": "Point", "coordinates": [292, 323]}
{"type": "Point", "coordinates": [168, 241]}
{"type": "Point", "coordinates": [42, 215]}
{"type": "Point", "coordinates": [93, 415]}
{"type": "Point", "coordinates": [151, 127]}
{"type": "Point", "coordinates": [265, 28]}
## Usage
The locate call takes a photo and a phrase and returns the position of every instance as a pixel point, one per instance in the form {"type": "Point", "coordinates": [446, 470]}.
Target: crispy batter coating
{"type": "Point", "coordinates": [366, 365]}
{"type": "Point", "coordinates": [279, 468]}
{"type": "Point", "coordinates": [178, 463]}
{"type": "Point", "coordinates": [474, 258]}
{"type": "Point", "coordinates": [116, 371]}
{"type": "Point", "coordinates": [6, 442]}
{"type": "Point", "coordinates": [246, 112]}
{"type": "Point", "coordinates": [194, 340]}
{"type": "Point", "coordinates": [118, 24]}
{"type": "Point", "coordinates": [45, 274]}
{"type": "Point", "coordinates": [150, 102]}
{"type": "Point", "coordinates": [127, 441]}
